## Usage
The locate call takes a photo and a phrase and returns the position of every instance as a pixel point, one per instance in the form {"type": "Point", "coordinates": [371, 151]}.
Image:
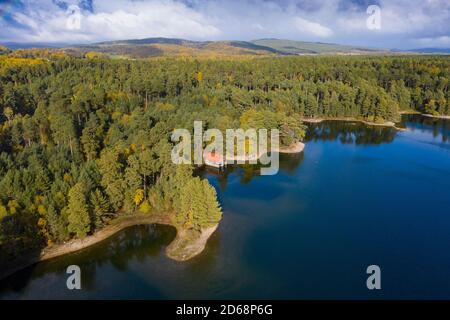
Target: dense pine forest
{"type": "Point", "coordinates": [85, 139]}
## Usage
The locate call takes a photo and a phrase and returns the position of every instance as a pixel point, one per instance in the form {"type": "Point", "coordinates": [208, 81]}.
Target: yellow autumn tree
{"type": "Point", "coordinates": [94, 55]}
{"type": "Point", "coordinates": [145, 207]}
{"type": "Point", "coordinates": [199, 76]}
{"type": "Point", "coordinates": [3, 212]}
{"type": "Point", "coordinates": [138, 197]}
{"type": "Point", "coordinates": [13, 205]}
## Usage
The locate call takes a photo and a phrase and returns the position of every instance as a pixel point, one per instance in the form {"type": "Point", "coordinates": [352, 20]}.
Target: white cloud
{"type": "Point", "coordinates": [117, 20]}
{"type": "Point", "coordinates": [311, 27]}
{"type": "Point", "coordinates": [139, 20]}
{"type": "Point", "coordinates": [403, 22]}
{"type": "Point", "coordinates": [440, 42]}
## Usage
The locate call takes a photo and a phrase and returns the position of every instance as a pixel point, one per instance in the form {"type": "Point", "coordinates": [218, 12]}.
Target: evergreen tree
{"type": "Point", "coordinates": [90, 138]}
{"type": "Point", "coordinates": [198, 207]}
{"type": "Point", "coordinates": [78, 211]}
{"type": "Point", "coordinates": [100, 208]}
{"type": "Point", "coordinates": [112, 180]}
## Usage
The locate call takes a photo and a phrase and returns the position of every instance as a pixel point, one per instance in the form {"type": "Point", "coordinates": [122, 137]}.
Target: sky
{"type": "Point", "coordinates": [402, 24]}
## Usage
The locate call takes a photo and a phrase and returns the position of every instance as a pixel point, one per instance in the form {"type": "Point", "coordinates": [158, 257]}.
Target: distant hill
{"type": "Point", "coordinates": [302, 47]}
{"type": "Point", "coordinates": [23, 45]}
{"type": "Point", "coordinates": [155, 47]}
{"type": "Point", "coordinates": [426, 50]}
{"type": "Point", "coordinates": [3, 50]}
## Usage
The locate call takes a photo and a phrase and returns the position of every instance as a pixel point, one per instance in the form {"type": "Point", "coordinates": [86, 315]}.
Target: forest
{"type": "Point", "coordinates": [84, 139]}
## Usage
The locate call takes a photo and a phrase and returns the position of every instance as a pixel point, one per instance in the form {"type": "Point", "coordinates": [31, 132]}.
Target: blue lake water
{"type": "Point", "coordinates": [357, 196]}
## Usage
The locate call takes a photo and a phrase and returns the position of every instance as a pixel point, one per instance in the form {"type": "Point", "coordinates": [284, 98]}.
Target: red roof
{"type": "Point", "coordinates": [214, 157]}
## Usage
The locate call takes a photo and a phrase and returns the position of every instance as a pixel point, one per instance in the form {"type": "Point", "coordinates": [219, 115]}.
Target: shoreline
{"type": "Point", "coordinates": [409, 112]}
{"type": "Point", "coordinates": [184, 239]}
{"type": "Point", "coordinates": [369, 123]}
{"type": "Point", "coordinates": [188, 244]}
{"type": "Point", "coordinates": [293, 148]}
{"type": "Point", "coordinates": [296, 147]}
{"type": "Point", "coordinates": [426, 115]}
{"type": "Point", "coordinates": [436, 117]}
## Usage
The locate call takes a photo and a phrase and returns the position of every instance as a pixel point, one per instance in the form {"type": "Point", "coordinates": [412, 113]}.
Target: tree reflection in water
{"type": "Point", "coordinates": [131, 244]}
{"type": "Point", "coordinates": [246, 172]}
{"type": "Point", "coordinates": [439, 127]}
{"type": "Point", "coordinates": [345, 132]}
{"type": "Point", "coordinates": [350, 133]}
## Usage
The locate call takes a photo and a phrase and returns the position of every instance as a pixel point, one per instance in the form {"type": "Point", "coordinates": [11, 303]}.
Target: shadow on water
{"type": "Point", "coordinates": [21, 245]}
{"type": "Point", "coordinates": [343, 131]}
{"type": "Point", "coordinates": [289, 163]}
{"type": "Point", "coordinates": [205, 262]}
{"type": "Point", "coordinates": [417, 123]}
{"type": "Point", "coordinates": [350, 133]}
{"type": "Point", "coordinates": [135, 243]}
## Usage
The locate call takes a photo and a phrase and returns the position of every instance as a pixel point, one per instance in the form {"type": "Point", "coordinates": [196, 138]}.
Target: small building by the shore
{"type": "Point", "coordinates": [214, 159]}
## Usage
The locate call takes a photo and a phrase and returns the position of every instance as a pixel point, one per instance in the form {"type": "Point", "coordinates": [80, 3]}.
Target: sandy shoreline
{"type": "Point", "coordinates": [194, 243]}
{"type": "Point", "coordinates": [185, 247]}
{"type": "Point", "coordinates": [425, 115]}
{"type": "Point", "coordinates": [294, 148]}
{"type": "Point", "coordinates": [436, 117]}
{"type": "Point", "coordinates": [384, 124]}
{"type": "Point", "coordinates": [118, 225]}
{"type": "Point", "coordinates": [409, 112]}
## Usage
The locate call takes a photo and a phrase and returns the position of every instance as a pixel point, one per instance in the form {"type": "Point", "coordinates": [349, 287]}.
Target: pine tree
{"type": "Point", "coordinates": [112, 177]}
{"type": "Point", "coordinates": [43, 182]}
{"type": "Point", "coordinates": [56, 224]}
{"type": "Point", "coordinates": [198, 205]}
{"type": "Point", "coordinates": [100, 208]}
{"type": "Point", "coordinates": [89, 139]}
{"type": "Point", "coordinates": [63, 130]}
{"type": "Point", "coordinates": [78, 212]}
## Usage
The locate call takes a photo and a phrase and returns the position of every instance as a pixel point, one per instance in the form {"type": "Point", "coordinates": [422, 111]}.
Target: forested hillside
{"type": "Point", "coordinates": [82, 139]}
{"type": "Point", "coordinates": [157, 47]}
{"type": "Point", "coordinates": [303, 47]}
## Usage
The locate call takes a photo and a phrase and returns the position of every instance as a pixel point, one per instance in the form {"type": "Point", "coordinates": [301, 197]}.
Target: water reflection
{"type": "Point", "coordinates": [134, 243]}
{"type": "Point", "coordinates": [289, 163]}
{"type": "Point", "coordinates": [346, 133]}
{"type": "Point", "coordinates": [350, 133]}
{"type": "Point", "coordinates": [202, 264]}
{"type": "Point", "coordinates": [440, 128]}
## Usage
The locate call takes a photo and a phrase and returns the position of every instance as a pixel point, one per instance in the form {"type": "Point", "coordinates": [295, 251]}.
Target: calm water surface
{"type": "Point", "coordinates": [357, 196]}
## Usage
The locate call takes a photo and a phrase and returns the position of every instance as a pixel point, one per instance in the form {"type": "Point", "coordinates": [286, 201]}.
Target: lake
{"type": "Point", "coordinates": [357, 196]}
